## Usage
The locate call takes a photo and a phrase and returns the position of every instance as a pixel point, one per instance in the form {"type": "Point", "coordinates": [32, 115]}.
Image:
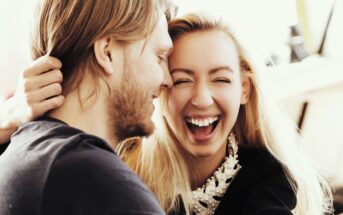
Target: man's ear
{"type": "Point", "coordinates": [246, 90]}
{"type": "Point", "coordinates": [104, 55]}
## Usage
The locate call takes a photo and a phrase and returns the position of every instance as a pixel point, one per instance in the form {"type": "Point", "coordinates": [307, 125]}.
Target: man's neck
{"type": "Point", "coordinates": [87, 114]}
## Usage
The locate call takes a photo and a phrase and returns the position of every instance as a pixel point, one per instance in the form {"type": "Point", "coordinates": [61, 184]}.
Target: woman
{"type": "Point", "coordinates": [219, 147]}
{"type": "Point", "coordinates": [215, 96]}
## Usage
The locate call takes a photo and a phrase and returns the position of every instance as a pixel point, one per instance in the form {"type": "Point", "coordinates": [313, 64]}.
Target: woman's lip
{"type": "Point", "coordinates": [202, 116]}
{"type": "Point", "coordinates": [202, 138]}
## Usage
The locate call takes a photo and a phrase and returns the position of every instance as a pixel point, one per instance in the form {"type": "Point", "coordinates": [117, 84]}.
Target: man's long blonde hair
{"type": "Point", "coordinates": [159, 161]}
{"type": "Point", "coordinates": [68, 29]}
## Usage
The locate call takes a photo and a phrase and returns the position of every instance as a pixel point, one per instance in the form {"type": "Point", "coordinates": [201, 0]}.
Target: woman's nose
{"type": "Point", "coordinates": [202, 97]}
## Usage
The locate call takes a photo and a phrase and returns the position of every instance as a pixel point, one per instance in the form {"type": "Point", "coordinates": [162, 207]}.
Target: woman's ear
{"type": "Point", "coordinates": [246, 90]}
{"type": "Point", "coordinates": [103, 54]}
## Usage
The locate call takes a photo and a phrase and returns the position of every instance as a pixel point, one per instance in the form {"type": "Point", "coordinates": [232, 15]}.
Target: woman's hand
{"type": "Point", "coordinates": [38, 91]}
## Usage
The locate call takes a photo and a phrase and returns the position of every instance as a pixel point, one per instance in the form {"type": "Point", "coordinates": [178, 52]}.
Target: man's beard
{"type": "Point", "coordinates": [130, 109]}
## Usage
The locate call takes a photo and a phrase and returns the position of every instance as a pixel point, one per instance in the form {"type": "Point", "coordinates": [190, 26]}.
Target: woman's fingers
{"type": "Point", "coordinates": [47, 78]}
{"type": "Point", "coordinates": [39, 90]}
{"type": "Point", "coordinates": [46, 105]}
{"type": "Point", "coordinates": [41, 65]}
{"type": "Point", "coordinates": [46, 92]}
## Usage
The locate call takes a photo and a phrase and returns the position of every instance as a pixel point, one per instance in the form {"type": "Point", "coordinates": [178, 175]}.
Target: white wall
{"type": "Point", "coordinates": [14, 43]}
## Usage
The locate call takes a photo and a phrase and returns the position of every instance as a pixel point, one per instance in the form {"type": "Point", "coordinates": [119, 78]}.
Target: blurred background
{"type": "Point", "coordinates": [299, 40]}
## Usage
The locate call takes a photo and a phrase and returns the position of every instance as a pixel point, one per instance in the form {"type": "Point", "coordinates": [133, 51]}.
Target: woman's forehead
{"type": "Point", "coordinates": [204, 49]}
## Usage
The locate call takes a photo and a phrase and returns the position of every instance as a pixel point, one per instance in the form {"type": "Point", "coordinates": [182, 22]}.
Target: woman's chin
{"type": "Point", "coordinates": [204, 152]}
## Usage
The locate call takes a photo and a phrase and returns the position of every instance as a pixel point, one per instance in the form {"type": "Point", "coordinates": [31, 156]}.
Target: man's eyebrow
{"type": "Point", "coordinates": [219, 68]}
{"type": "Point", "coordinates": [166, 50]}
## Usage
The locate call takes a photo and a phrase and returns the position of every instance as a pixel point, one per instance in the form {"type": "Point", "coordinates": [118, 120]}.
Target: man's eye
{"type": "Point", "coordinates": [162, 59]}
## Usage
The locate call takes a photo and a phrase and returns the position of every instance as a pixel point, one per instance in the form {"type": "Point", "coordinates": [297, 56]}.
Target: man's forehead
{"type": "Point", "coordinates": [162, 36]}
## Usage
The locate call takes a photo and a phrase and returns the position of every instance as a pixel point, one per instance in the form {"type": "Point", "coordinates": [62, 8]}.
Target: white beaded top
{"type": "Point", "coordinates": [206, 199]}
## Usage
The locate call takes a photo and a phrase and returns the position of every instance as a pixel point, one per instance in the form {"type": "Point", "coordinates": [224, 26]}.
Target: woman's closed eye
{"type": "Point", "coordinates": [222, 80]}
{"type": "Point", "coordinates": [181, 81]}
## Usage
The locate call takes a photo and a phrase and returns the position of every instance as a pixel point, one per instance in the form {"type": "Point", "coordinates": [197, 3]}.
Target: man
{"type": "Point", "coordinates": [113, 54]}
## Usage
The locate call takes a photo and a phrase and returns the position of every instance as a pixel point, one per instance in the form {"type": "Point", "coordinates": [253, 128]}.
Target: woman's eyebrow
{"type": "Point", "coordinates": [219, 68]}
{"type": "Point", "coordinates": [211, 71]}
{"type": "Point", "coordinates": [188, 71]}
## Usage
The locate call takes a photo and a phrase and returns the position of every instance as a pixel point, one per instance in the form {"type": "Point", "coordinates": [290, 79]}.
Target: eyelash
{"type": "Point", "coordinates": [223, 80]}
{"type": "Point", "coordinates": [182, 81]}
{"type": "Point", "coordinates": [177, 82]}
{"type": "Point", "coordinates": [162, 59]}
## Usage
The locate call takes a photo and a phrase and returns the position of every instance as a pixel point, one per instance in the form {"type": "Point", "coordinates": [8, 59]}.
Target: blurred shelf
{"type": "Point", "coordinates": [300, 79]}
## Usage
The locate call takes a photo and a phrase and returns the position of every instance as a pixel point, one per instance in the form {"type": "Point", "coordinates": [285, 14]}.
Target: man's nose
{"type": "Point", "coordinates": [202, 97]}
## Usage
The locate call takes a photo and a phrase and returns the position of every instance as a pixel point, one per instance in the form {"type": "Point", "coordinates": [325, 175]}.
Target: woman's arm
{"type": "Point", "coordinates": [38, 91]}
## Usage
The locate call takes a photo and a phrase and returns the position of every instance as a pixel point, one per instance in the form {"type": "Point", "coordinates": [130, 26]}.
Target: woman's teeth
{"type": "Point", "coordinates": [202, 122]}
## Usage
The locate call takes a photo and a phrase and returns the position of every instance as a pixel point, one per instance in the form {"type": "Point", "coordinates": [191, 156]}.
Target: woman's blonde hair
{"type": "Point", "coordinates": [260, 123]}
{"type": "Point", "coordinates": [67, 30]}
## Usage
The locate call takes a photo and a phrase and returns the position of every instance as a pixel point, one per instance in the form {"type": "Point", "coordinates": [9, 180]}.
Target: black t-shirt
{"type": "Point", "coordinates": [3, 147]}
{"type": "Point", "coordinates": [51, 168]}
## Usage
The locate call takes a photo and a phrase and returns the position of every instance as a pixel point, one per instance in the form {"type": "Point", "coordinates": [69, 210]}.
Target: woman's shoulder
{"type": "Point", "coordinates": [260, 167]}
{"type": "Point", "coordinates": [257, 159]}
{"type": "Point", "coordinates": [260, 185]}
